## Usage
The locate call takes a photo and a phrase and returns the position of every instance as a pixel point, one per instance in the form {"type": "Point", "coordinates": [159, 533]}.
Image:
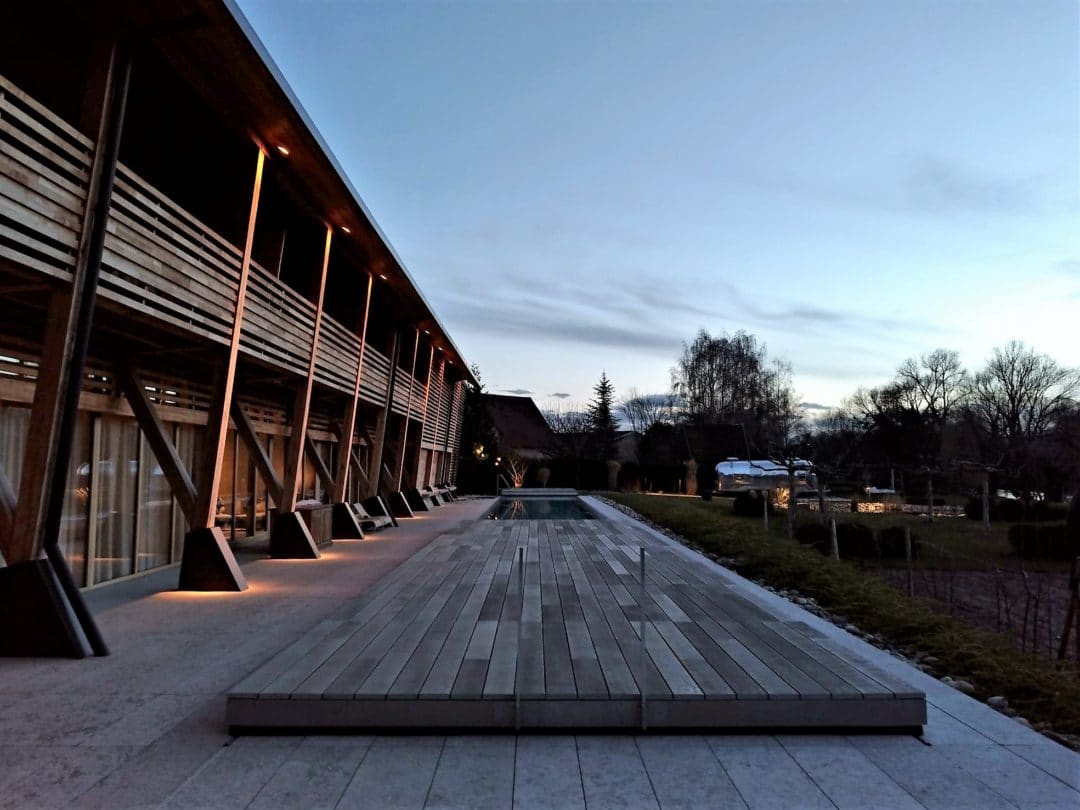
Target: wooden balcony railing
{"type": "Point", "coordinates": [159, 260]}
{"type": "Point", "coordinates": [44, 173]}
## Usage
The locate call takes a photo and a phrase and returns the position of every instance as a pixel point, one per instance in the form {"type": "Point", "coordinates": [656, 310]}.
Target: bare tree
{"type": "Point", "coordinates": [642, 411]}
{"type": "Point", "coordinates": [934, 384]}
{"type": "Point", "coordinates": [1020, 395]}
{"type": "Point", "coordinates": [729, 379]}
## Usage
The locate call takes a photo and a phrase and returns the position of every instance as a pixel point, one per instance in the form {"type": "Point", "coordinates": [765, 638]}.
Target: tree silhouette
{"type": "Point", "coordinates": [603, 426]}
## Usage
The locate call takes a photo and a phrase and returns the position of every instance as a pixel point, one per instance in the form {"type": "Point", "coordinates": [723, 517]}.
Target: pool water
{"type": "Point", "coordinates": [540, 509]}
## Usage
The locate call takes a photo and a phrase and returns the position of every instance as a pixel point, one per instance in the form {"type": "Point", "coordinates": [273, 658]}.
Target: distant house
{"type": "Point", "coordinates": [519, 425]}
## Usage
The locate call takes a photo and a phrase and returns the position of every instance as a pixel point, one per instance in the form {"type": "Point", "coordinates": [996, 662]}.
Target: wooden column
{"type": "Point", "coordinates": [289, 536]}
{"type": "Point", "coordinates": [375, 463]}
{"type": "Point", "coordinates": [400, 475]}
{"type": "Point", "coordinates": [54, 619]}
{"type": "Point", "coordinates": [421, 474]}
{"type": "Point", "coordinates": [348, 428]}
{"type": "Point", "coordinates": [208, 563]}
{"type": "Point", "coordinates": [433, 470]}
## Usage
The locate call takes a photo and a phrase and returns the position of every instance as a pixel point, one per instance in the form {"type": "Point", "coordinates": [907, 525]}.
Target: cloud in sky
{"type": "Point", "coordinates": [520, 392]}
{"type": "Point", "coordinates": [814, 406]}
{"type": "Point", "coordinates": [1068, 267]}
{"type": "Point", "coordinates": [880, 180]}
{"type": "Point", "coordinates": [936, 184]}
{"type": "Point", "coordinates": [560, 395]}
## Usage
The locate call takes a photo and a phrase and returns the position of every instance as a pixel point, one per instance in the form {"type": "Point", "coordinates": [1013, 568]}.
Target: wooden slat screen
{"type": "Point", "coordinates": [44, 174]}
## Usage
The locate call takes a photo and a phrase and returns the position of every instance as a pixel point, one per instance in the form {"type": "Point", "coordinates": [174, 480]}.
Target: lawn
{"type": "Point", "coordinates": [988, 660]}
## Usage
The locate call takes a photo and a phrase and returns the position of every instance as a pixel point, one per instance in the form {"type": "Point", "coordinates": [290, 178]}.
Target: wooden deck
{"type": "Point", "coordinates": [451, 640]}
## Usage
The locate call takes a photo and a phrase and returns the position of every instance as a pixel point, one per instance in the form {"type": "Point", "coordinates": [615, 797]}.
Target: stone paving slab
{"type": "Point", "coordinates": [148, 627]}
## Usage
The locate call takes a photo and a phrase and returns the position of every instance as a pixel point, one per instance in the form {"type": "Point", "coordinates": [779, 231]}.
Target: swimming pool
{"type": "Point", "coordinates": [539, 509]}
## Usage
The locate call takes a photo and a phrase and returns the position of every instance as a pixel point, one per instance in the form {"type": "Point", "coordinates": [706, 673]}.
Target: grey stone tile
{"type": "Point", "coordinates": [1011, 775]}
{"type": "Point", "coordinates": [765, 774]}
{"type": "Point", "coordinates": [934, 780]}
{"type": "Point", "coordinates": [1052, 758]}
{"type": "Point", "coordinates": [988, 722]}
{"type": "Point", "coordinates": [474, 772]}
{"type": "Point", "coordinates": [547, 774]}
{"type": "Point", "coordinates": [395, 773]}
{"type": "Point", "coordinates": [845, 775]}
{"type": "Point", "coordinates": [35, 776]}
{"type": "Point", "coordinates": [61, 718]}
{"type": "Point", "coordinates": [613, 773]}
{"type": "Point", "coordinates": [234, 776]}
{"type": "Point", "coordinates": [943, 728]}
{"type": "Point", "coordinates": [685, 773]}
{"type": "Point", "coordinates": [152, 774]}
{"type": "Point", "coordinates": [315, 775]}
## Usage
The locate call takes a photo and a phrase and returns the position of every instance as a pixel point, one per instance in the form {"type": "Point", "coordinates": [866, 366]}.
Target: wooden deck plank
{"type": "Point", "coordinates": [626, 635]}
{"type": "Point", "coordinates": [436, 642]}
{"type": "Point", "coordinates": [558, 670]}
{"type": "Point", "coordinates": [440, 680]}
{"type": "Point", "coordinates": [616, 672]}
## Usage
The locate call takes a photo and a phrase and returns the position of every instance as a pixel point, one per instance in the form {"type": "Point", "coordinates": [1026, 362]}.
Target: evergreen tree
{"type": "Point", "coordinates": [603, 426]}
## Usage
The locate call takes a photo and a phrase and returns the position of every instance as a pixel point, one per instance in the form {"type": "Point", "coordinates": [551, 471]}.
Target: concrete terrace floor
{"type": "Point", "coordinates": [145, 727]}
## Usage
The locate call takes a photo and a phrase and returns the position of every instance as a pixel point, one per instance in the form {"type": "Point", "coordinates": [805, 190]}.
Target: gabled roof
{"type": "Point", "coordinates": [518, 422]}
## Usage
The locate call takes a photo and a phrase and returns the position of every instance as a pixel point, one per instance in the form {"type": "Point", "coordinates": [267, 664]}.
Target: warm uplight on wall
{"type": "Point", "coordinates": [284, 150]}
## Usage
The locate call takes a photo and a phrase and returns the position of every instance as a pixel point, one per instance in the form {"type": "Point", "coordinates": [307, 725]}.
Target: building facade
{"type": "Point", "coordinates": [201, 325]}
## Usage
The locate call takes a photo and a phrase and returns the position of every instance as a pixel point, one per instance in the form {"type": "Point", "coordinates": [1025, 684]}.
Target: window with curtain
{"type": "Point", "coordinates": [116, 484]}
{"type": "Point", "coordinates": [14, 428]}
{"type": "Point", "coordinates": [154, 546]}
{"type": "Point", "coordinates": [74, 523]}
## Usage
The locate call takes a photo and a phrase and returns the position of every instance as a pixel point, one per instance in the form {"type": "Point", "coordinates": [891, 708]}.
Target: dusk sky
{"type": "Point", "coordinates": [579, 187]}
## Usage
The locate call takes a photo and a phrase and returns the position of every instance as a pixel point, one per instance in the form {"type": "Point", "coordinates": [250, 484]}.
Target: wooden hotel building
{"type": "Point", "coordinates": [201, 325]}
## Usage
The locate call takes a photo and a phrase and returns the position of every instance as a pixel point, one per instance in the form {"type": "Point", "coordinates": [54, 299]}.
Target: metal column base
{"type": "Point", "coordinates": [345, 524]}
{"type": "Point", "coordinates": [39, 621]}
{"type": "Point", "coordinates": [290, 538]}
{"type": "Point", "coordinates": [208, 563]}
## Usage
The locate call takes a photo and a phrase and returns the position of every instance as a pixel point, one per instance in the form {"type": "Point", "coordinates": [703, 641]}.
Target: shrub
{"type": "Point", "coordinates": [855, 540]}
{"type": "Point", "coordinates": [915, 500]}
{"type": "Point", "coordinates": [748, 504]}
{"type": "Point", "coordinates": [890, 542]}
{"type": "Point", "coordinates": [814, 534]}
{"type": "Point", "coordinates": [1041, 542]}
{"type": "Point", "coordinates": [1011, 511]}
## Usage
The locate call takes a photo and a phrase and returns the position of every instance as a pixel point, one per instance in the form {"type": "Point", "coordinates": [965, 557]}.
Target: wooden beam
{"type": "Point", "coordinates": [348, 429]}
{"type": "Point", "coordinates": [302, 407]}
{"type": "Point", "coordinates": [164, 450]}
{"type": "Point", "coordinates": [258, 453]}
{"type": "Point", "coordinates": [398, 479]}
{"type": "Point", "coordinates": [317, 462]}
{"type": "Point", "coordinates": [217, 423]}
